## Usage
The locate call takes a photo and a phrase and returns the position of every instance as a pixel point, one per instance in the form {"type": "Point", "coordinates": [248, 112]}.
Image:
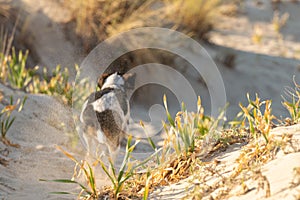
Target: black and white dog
{"type": "Point", "coordinates": [105, 114]}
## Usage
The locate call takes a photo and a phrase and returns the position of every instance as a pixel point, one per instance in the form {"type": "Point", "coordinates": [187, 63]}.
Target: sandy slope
{"type": "Point", "coordinates": [279, 173]}
{"type": "Point", "coordinates": [37, 130]}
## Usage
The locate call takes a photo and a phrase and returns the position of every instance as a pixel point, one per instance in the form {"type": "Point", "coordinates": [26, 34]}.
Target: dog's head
{"type": "Point", "coordinates": [125, 81]}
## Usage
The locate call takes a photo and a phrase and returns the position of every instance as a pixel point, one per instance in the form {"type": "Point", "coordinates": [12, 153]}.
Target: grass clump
{"type": "Point", "coordinates": [195, 16]}
{"type": "Point", "coordinates": [259, 122]}
{"type": "Point", "coordinates": [121, 179]}
{"type": "Point", "coordinates": [57, 84]}
{"type": "Point", "coordinates": [6, 119]}
{"type": "Point", "coordinates": [187, 128]}
{"type": "Point", "coordinates": [126, 170]}
{"type": "Point", "coordinates": [18, 75]}
{"type": "Point", "coordinates": [198, 17]}
{"type": "Point", "coordinates": [291, 101]}
{"type": "Point", "coordinates": [256, 118]}
{"type": "Point", "coordinates": [257, 35]}
{"type": "Point", "coordinates": [13, 72]}
{"type": "Point", "coordinates": [97, 20]}
{"type": "Point", "coordinates": [278, 22]}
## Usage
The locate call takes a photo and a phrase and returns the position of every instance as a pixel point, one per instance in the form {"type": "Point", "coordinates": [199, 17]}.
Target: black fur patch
{"type": "Point", "coordinates": [111, 125]}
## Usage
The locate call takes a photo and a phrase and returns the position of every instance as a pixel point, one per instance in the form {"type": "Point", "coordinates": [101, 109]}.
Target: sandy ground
{"type": "Point", "coordinates": [279, 173]}
{"type": "Point", "coordinates": [42, 125]}
{"type": "Point", "coordinates": [265, 68]}
{"type": "Point", "coordinates": [256, 19]}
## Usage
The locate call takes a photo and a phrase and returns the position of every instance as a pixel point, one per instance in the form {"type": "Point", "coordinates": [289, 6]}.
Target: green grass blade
{"type": "Point", "coordinates": [59, 180]}
{"type": "Point", "coordinates": [22, 104]}
{"type": "Point", "coordinates": [169, 117]}
{"type": "Point", "coordinates": [112, 167]}
{"type": "Point", "coordinates": [108, 174]}
{"type": "Point", "coordinates": [67, 181]}
{"type": "Point", "coordinates": [151, 143]}
{"type": "Point", "coordinates": [11, 100]}
{"type": "Point", "coordinates": [62, 193]}
{"type": "Point", "coordinates": [147, 159]}
{"type": "Point", "coordinates": [10, 123]}
{"type": "Point", "coordinates": [92, 179]}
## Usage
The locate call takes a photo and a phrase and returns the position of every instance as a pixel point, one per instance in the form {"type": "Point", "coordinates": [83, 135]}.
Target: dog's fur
{"type": "Point", "coordinates": [105, 114]}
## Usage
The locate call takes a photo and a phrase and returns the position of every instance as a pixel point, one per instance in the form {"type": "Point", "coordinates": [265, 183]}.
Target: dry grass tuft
{"type": "Point", "coordinates": [96, 20]}
{"type": "Point", "coordinates": [195, 17]}
{"type": "Point", "coordinates": [278, 22]}
{"type": "Point", "coordinates": [291, 101]}
{"type": "Point", "coordinates": [198, 17]}
{"type": "Point", "coordinates": [257, 35]}
{"type": "Point", "coordinates": [6, 118]}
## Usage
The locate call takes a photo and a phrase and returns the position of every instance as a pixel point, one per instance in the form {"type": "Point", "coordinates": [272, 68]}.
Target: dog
{"type": "Point", "coordinates": [105, 114]}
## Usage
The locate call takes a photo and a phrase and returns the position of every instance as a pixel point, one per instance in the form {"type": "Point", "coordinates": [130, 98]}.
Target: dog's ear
{"type": "Point", "coordinates": [102, 79]}
{"type": "Point", "coordinates": [129, 80]}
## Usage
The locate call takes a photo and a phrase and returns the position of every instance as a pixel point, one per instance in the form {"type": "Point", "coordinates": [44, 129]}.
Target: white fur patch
{"type": "Point", "coordinates": [108, 101]}
{"type": "Point", "coordinates": [114, 81]}
{"type": "Point", "coordinates": [101, 137]}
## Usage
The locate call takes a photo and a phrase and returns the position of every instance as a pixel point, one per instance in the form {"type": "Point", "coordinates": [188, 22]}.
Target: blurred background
{"type": "Point", "coordinates": [255, 43]}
